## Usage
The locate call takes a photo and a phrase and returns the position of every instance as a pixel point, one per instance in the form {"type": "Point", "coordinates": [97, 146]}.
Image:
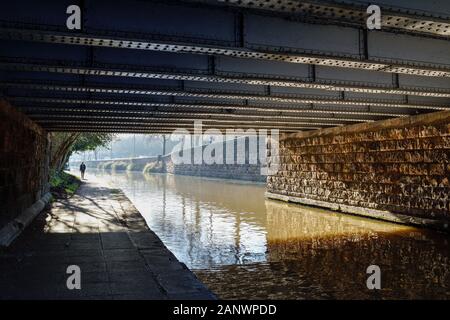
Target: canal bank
{"type": "Point", "coordinates": [100, 231]}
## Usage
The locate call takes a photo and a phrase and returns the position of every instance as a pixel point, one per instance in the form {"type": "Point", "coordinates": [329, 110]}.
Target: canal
{"type": "Point", "coordinates": [244, 246]}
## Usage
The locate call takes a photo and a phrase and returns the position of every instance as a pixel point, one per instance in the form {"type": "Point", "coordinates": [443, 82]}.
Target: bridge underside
{"type": "Point", "coordinates": [153, 66]}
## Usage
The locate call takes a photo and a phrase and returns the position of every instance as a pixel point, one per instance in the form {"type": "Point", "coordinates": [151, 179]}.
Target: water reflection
{"type": "Point", "coordinates": [243, 246]}
{"type": "Point", "coordinates": [204, 222]}
{"type": "Point", "coordinates": [334, 250]}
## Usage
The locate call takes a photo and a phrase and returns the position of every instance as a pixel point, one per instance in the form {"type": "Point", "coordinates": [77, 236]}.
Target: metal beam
{"type": "Point", "coordinates": [284, 48]}
{"type": "Point", "coordinates": [183, 112]}
{"type": "Point", "coordinates": [419, 18]}
{"type": "Point", "coordinates": [190, 118]}
{"type": "Point", "coordinates": [71, 125]}
{"type": "Point", "coordinates": [286, 108]}
{"type": "Point", "coordinates": [225, 110]}
{"type": "Point", "coordinates": [163, 126]}
{"type": "Point", "coordinates": [330, 85]}
{"type": "Point", "coordinates": [274, 102]}
{"type": "Point", "coordinates": [141, 130]}
{"type": "Point", "coordinates": [302, 68]}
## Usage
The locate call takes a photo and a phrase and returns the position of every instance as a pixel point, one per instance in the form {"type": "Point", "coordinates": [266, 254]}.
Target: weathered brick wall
{"type": "Point", "coordinates": [23, 163]}
{"type": "Point", "coordinates": [400, 166]}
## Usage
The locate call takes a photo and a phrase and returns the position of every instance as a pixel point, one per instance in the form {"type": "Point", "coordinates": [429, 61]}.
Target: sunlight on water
{"type": "Point", "coordinates": [244, 246]}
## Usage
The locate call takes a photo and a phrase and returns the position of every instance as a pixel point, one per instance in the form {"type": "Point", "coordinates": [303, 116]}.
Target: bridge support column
{"type": "Point", "coordinates": [396, 169]}
{"type": "Point", "coordinates": [24, 171]}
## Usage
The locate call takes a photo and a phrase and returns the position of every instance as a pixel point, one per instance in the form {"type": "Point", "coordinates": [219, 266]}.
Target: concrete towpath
{"type": "Point", "coordinates": [99, 230]}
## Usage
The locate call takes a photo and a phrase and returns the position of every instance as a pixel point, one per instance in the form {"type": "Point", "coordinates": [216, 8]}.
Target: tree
{"type": "Point", "coordinates": [64, 144]}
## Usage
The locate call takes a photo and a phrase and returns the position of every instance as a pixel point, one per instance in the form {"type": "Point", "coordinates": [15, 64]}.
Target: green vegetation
{"type": "Point", "coordinates": [154, 167]}
{"type": "Point", "coordinates": [63, 184]}
{"type": "Point", "coordinates": [64, 144]}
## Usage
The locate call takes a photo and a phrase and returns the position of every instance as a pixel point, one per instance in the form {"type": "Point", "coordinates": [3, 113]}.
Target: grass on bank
{"type": "Point", "coordinates": [63, 184]}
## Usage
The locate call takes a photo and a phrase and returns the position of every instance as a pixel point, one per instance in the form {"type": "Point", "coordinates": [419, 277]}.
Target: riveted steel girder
{"type": "Point", "coordinates": [438, 66]}
{"type": "Point", "coordinates": [186, 118]}
{"type": "Point", "coordinates": [416, 17]}
{"type": "Point", "coordinates": [412, 87]}
{"type": "Point", "coordinates": [269, 63]}
{"type": "Point", "coordinates": [274, 102]}
{"type": "Point", "coordinates": [178, 28]}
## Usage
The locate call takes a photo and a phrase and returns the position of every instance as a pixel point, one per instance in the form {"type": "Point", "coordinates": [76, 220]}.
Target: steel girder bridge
{"type": "Point", "coordinates": [153, 66]}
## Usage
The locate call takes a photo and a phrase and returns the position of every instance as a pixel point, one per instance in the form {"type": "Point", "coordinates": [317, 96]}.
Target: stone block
{"type": "Point", "coordinates": [404, 169]}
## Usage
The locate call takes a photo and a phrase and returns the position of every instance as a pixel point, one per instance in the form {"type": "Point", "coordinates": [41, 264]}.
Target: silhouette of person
{"type": "Point", "coordinates": [82, 170]}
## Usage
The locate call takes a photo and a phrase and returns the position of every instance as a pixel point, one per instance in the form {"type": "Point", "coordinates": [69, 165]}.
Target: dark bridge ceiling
{"type": "Point", "coordinates": [152, 66]}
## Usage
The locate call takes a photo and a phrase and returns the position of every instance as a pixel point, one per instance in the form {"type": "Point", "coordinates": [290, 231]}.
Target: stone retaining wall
{"type": "Point", "coordinates": [241, 168]}
{"type": "Point", "coordinates": [222, 171]}
{"type": "Point", "coordinates": [24, 174]}
{"type": "Point", "coordinates": [397, 169]}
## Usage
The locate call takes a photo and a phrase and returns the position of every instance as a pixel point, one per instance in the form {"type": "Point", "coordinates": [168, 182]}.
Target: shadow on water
{"type": "Point", "coordinates": [243, 246]}
{"type": "Point", "coordinates": [314, 253]}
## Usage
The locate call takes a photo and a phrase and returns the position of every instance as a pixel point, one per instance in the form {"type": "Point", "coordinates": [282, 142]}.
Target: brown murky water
{"type": "Point", "coordinates": [244, 246]}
